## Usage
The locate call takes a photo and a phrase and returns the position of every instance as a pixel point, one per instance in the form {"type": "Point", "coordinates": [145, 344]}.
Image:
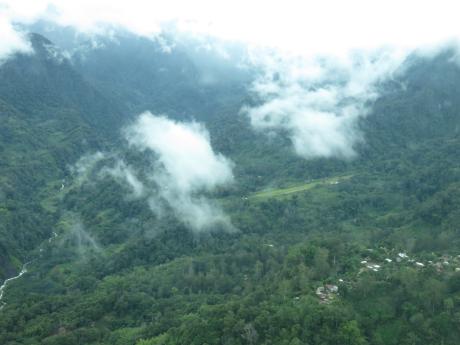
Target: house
{"type": "Point", "coordinates": [438, 266]}
{"type": "Point", "coordinates": [320, 290]}
{"type": "Point", "coordinates": [373, 267]}
{"type": "Point", "coordinates": [327, 292]}
{"type": "Point", "coordinates": [332, 288]}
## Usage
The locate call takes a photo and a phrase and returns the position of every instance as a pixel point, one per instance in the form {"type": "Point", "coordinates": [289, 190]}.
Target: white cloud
{"type": "Point", "coordinates": [185, 169]}
{"type": "Point", "coordinates": [184, 151]}
{"type": "Point", "coordinates": [308, 101]}
{"type": "Point", "coordinates": [318, 101]}
{"type": "Point", "coordinates": [11, 41]}
{"type": "Point", "coordinates": [126, 174]}
{"type": "Point", "coordinates": [321, 27]}
{"type": "Point", "coordinates": [181, 171]}
{"type": "Point", "coordinates": [83, 168]}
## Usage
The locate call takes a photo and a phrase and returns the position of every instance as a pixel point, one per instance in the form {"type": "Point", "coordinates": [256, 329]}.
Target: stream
{"type": "Point", "coordinates": [5, 283]}
{"type": "Point", "coordinates": [20, 274]}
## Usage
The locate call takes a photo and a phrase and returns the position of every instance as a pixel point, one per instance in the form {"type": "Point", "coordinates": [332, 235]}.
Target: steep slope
{"type": "Point", "coordinates": [117, 274]}
{"type": "Point", "coordinates": [44, 83]}
{"type": "Point", "coordinates": [49, 117]}
{"type": "Point", "coordinates": [160, 74]}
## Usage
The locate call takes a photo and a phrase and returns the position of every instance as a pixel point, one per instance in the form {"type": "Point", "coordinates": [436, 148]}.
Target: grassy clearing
{"type": "Point", "coordinates": [282, 192]}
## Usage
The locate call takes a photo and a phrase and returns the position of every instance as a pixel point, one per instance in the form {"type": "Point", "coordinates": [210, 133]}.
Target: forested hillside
{"type": "Point", "coordinates": [362, 250]}
{"type": "Point", "coordinates": [50, 117]}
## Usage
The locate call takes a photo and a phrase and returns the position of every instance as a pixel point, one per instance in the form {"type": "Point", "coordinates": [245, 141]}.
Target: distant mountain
{"type": "Point", "coordinates": [45, 82]}
{"type": "Point", "coordinates": [419, 105]}
{"type": "Point", "coordinates": [107, 270]}
{"type": "Point", "coordinates": [65, 101]}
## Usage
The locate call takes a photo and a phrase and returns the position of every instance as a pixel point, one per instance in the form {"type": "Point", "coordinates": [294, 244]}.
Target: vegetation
{"type": "Point", "coordinates": [282, 192]}
{"type": "Point", "coordinates": [114, 273]}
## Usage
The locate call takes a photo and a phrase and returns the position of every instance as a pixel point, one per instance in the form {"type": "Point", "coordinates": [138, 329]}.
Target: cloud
{"type": "Point", "coordinates": [185, 169]}
{"type": "Point", "coordinates": [315, 107]}
{"type": "Point", "coordinates": [318, 88]}
{"type": "Point", "coordinates": [11, 41]}
{"type": "Point", "coordinates": [76, 235]}
{"type": "Point", "coordinates": [330, 27]}
{"type": "Point", "coordinates": [85, 166]}
{"type": "Point", "coordinates": [184, 152]}
{"type": "Point", "coordinates": [180, 171]}
{"type": "Point", "coordinates": [126, 174]}
{"type": "Point", "coordinates": [317, 102]}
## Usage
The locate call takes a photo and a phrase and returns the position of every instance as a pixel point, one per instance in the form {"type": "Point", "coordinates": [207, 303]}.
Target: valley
{"type": "Point", "coordinates": [183, 196]}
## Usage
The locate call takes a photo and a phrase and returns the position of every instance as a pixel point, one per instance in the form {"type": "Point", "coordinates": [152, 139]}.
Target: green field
{"type": "Point", "coordinates": [297, 188]}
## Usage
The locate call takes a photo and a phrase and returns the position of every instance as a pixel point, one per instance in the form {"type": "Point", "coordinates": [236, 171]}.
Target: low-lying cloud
{"type": "Point", "coordinates": [85, 166]}
{"type": "Point", "coordinates": [184, 152]}
{"type": "Point", "coordinates": [77, 236]}
{"type": "Point", "coordinates": [179, 173]}
{"type": "Point", "coordinates": [125, 174]}
{"type": "Point", "coordinates": [12, 41]}
{"type": "Point", "coordinates": [185, 169]}
{"type": "Point", "coordinates": [312, 28]}
{"type": "Point", "coordinates": [317, 102]}
{"type": "Point", "coordinates": [316, 98]}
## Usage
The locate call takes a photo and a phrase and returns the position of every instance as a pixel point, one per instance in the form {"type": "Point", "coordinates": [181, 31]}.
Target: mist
{"type": "Point", "coordinates": [185, 169]}
{"type": "Point", "coordinates": [83, 170]}
{"type": "Point", "coordinates": [12, 41]}
{"type": "Point", "coordinates": [77, 237]}
{"type": "Point", "coordinates": [179, 171]}
{"type": "Point", "coordinates": [126, 175]}
{"type": "Point", "coordinates": [318, 102]}
{"type": "Point", "coordinates": [321, 63]}
{"type": "Point", "coordinates": [315, 81]}
{"type": "Point", "coordinates": [331, 28]}
{"type": "Point", "coordinates": [82, 239]}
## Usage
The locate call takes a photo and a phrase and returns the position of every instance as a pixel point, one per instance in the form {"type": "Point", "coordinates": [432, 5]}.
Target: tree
{"type": "Point", "coordinates": [350, 334]}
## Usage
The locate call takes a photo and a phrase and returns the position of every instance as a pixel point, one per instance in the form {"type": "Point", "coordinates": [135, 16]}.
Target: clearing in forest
{"type": "Point", "coordinates": [281, 192]}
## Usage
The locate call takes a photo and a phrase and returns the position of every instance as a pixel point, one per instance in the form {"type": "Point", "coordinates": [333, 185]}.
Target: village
{"type": "Point", "coordinates": [376, 260]}
{"type": "Point", "coordinates": [441, 263]}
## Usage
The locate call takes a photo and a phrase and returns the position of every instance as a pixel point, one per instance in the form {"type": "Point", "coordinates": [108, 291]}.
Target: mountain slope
{"type": "Point", "coordinates": [116, 273]}
{"type": "Point", "coordinates": [49, 117]}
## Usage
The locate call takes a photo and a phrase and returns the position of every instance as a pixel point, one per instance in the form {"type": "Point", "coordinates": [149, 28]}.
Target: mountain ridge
{"type": "Point", "coordinates": [108, 269]}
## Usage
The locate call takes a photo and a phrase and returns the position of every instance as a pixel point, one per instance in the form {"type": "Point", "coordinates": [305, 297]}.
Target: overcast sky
{"type": "Point", "coordinates": [308, 27]}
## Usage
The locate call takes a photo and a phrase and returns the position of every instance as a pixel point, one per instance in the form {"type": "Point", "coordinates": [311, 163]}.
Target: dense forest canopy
{"type": "Point", "coordinates": [170, 190]}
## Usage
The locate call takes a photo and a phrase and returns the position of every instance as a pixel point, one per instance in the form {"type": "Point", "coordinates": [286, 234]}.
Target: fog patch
{"type": "Point", "coordinates": [185, 169]}
{"type": "Point", "coordinates": [317, 101]}
{"type": "Point", "coordinates": [12, 41]}
{"type": "Point", "coordinates": [77, 237]}
{"type": "Point", "coordinates": [179, 174]}
{"type": "Point", "coordinates": [84, 168]}
{"type": "Point", "coordinates": [123, 173]}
